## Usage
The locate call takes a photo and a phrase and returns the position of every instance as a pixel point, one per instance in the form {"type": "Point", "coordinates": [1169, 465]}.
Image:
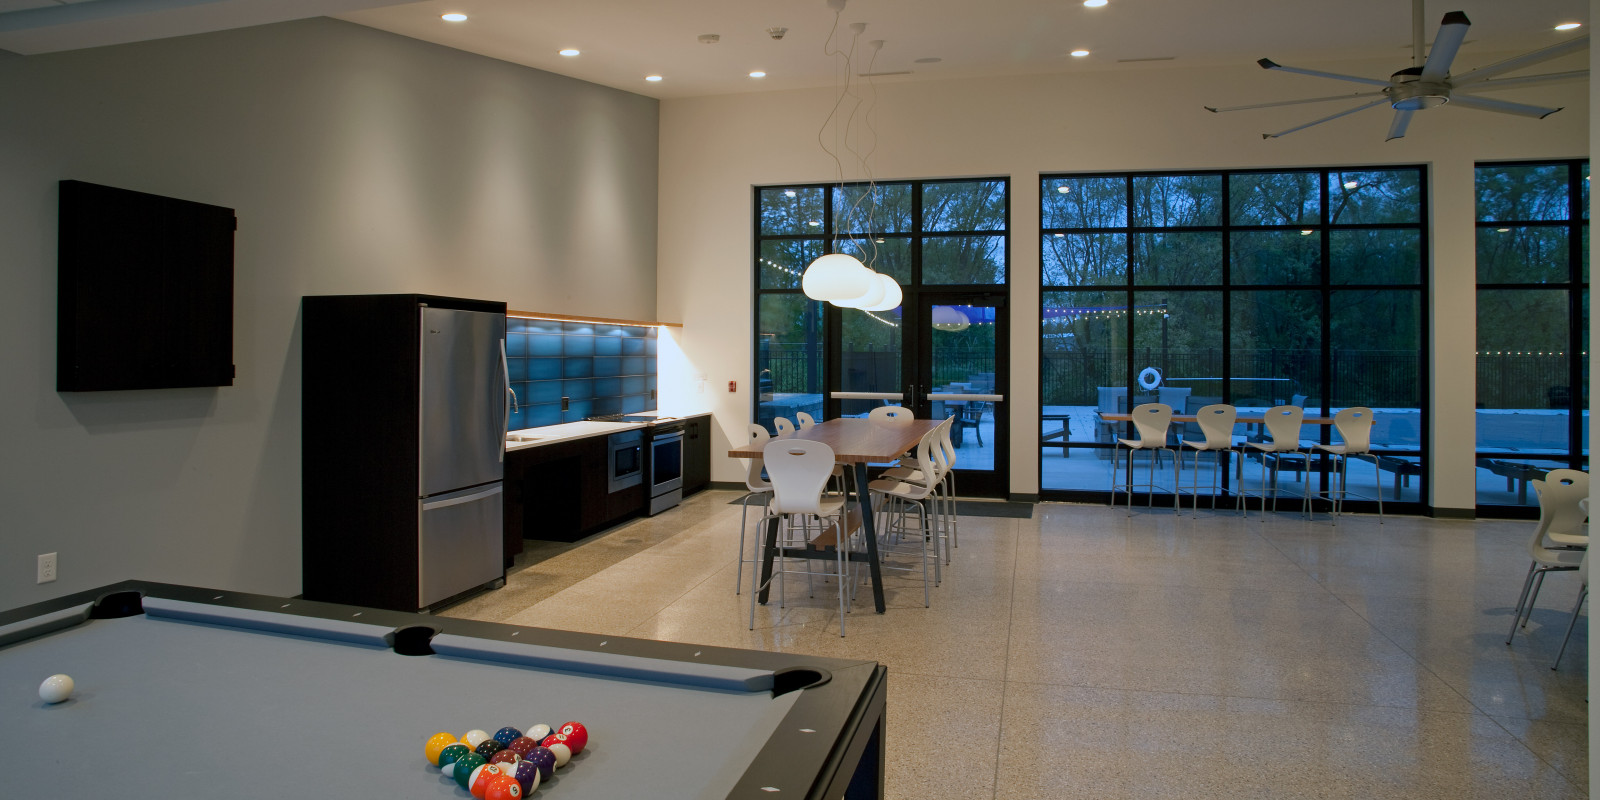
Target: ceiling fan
{"type": "Point", "coordinates": [1428, 83]}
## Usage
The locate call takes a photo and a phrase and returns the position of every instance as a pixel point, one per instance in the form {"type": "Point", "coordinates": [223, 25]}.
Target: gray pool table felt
{"type": "Point", "coordinates": [167, 708]}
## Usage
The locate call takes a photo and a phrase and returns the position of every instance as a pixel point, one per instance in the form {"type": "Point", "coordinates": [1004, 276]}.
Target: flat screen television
{"type": "Point", "coordinates": [145, 291]}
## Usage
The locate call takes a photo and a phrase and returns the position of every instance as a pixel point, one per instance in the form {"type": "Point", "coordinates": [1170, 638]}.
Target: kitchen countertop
{"type": "Point", "coordinates": [566, 432]}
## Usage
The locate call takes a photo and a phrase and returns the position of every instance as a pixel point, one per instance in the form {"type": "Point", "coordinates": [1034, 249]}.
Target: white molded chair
{"type": "Point", "coordinates": [944, 499]}
{"type": "Point", "coordinates": [897, 498]}
{"type": "Point", "coordinates": [892, 415]}
{"type": "Point", "coordinates": [758, 486]}
{"type": "Point", "coordinates": [1563, 508]}
{"type": "Point", "coordinates": [804, 420]}
{"type": "Point", "coordinates": [1354, 425]}
{"type": "Point", "coordinates": [798, 470]}
{"type": "Point", "coordinates": [1150, 421]}
{"type": "Point", "coordinates": [1283, 425]}
{"type": "Point", "coordinates": [1545, 560]}
{"type": "Point", "coordinates": [1216, 422]}
{"type": "Point", "coordinates": [782, 425]}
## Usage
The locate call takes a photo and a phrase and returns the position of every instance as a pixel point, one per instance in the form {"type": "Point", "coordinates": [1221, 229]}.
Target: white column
{"type": "Point", "coordinates": [1453, 334]}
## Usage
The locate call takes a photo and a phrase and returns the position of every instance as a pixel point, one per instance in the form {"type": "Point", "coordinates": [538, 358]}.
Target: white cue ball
{"type": "Point", "coordinates": [55, 688]}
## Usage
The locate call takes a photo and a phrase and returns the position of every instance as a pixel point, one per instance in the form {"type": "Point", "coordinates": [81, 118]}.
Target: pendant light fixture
{"type": "Point", "coordinates": [841, 278]}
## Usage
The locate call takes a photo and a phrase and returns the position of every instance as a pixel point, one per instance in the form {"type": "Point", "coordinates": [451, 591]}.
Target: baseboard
{"type": "Point", "coordinates": [1017, 497]}
{"type": "Point", "coordinates": [1452, 513]}
{"type": "Point", "coordinates": [728, 486]}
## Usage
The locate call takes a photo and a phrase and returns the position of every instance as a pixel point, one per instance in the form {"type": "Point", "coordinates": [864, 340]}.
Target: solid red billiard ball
{"type": "Point", "coordinates": [503, 787]}
{"type": "Point", "coordinates": [521, 745]}
{"type": "Point", "coordinates": [577, 736]}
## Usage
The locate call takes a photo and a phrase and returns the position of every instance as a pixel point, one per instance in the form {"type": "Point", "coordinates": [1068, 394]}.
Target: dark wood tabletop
{"type": "Point", "coordinates": [856, 441]}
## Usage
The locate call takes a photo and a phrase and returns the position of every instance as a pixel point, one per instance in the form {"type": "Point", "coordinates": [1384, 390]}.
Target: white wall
{"type": "Point", "coordinates": [714, 149]}
{"type": "Point", "coordinates": [358, 162]}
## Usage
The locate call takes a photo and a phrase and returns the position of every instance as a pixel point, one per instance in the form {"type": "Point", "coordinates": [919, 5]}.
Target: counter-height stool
{"type": "Point", "coordinates": [891, 415]}
{"type": "Point", "coordinates": [1150, 421]}
{"type": "Point", "coordinates": [1216, 423]}
{"type": "Point", "coordinates": [1583, 592]}
{"type": "Point", "coordinates": [759, 488]}
{"type": "Point", "coordinates": [1283, 425]}
{"type": "Point", "coordinates": [804, 420]}
{"type": "Point", "coordinates": [1545, 560]}
{"type": "Point", "coordinates": [798, 469]}
{"type": "Point", "coordinates": [944, 499]}
{"type": "Point", "coordinates": [1354, 425]}
{"type": "Point", "coordinates": [782, 425]}
{"type": "Point", "coordinates": [898, 498]}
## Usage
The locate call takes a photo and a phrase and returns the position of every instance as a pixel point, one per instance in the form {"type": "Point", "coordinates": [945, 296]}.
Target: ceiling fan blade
{"type": "Point", "coordinates": [1524, 60]}
{"type": "Point", "coordinates": [1402, 120]}
{"type": "Point", "coordinates": [1501, 106]}
{"type": "Point", "coordinates": [1451, 33]}
{"type": "Point", "coordinates": [1328, 118]}
{"type": "Point", "coordinates": [1294, 102]}
{"type": "Point", "coordinates": [1526, 80]}
{"type": "Point", "coordinates": [1267, 63]}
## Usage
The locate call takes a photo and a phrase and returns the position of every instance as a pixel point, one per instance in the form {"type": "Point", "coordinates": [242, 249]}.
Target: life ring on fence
{"type": "Point", "coordinates": [1149, 378]}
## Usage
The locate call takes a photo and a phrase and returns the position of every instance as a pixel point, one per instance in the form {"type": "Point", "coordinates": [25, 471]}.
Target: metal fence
{"type": "Point", "coordinates": [1381, 378]}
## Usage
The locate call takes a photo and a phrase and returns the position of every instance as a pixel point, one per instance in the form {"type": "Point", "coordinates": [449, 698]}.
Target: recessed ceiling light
{"type": "Point", "coordinates": [1307, 233]}
{"type": "Point", "coordinates": [1502, 230]}
{"type": "Point", "coordinates": [788, 193]}
{"type": "Point", "coordinates": [758, 74]}
{"type": "Point", "coordinates": [571, 51]}
{"type": "Point", "coordinates": [1351, 184]}
{"type": "Point", "coordinates": [652, 78]}
{"type": "Point", "coordinates": [1567, 26]}
{"type": "Point", "coordinates": [453, 17]}
{"type": "Point", "coordinates": [1064, 189]}
{"type": "Point", "coordinates": [1080, 53]}
{"type": "Point", "coordinates": [1093, 3]}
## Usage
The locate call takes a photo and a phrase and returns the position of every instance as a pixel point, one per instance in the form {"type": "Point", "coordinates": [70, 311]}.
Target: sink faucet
{"type": "Point", "coordinates": [515, 406]}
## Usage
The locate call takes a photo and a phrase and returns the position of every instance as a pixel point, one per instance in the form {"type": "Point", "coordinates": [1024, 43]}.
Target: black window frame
{"type": "Point", "coordinates": [1576, 225]}
{"type": "Point", "coordinates": [1323, 228]}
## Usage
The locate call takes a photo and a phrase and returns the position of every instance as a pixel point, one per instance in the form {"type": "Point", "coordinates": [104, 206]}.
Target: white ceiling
{"type": "Point", "coordinates": [622, 41]}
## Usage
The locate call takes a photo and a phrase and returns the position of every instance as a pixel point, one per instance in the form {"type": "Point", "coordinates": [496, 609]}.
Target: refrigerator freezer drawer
{"type": "Point", "coordinates": [461, 546]}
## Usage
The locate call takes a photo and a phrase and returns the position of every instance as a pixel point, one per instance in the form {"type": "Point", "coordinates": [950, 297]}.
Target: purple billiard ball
{"type": "Point", "coordinates": [543, 759]}
{"type": "Point", "coordinates": [527, 775]}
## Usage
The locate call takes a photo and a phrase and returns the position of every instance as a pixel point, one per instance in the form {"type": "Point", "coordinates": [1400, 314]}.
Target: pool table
{"type": "Point", "coordinates": [188, 692]}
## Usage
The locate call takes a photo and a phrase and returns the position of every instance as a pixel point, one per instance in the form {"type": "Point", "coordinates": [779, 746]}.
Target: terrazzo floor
{"type": "Point", "coordinates": [1086, 653]}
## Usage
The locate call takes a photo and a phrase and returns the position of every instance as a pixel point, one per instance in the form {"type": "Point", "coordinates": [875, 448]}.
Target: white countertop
{"type": "Point", "coordinates": [550, 434]}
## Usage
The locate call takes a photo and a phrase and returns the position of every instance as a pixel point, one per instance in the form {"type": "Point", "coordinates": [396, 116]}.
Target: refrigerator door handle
{"type": "Point", "coordinates": [458, 499]}
{"type": "Point", "coordinates": [505, 400]}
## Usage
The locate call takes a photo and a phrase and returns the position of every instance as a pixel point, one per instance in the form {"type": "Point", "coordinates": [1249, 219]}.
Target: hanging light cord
{"type": "Point", "coordinates": [844, 91]}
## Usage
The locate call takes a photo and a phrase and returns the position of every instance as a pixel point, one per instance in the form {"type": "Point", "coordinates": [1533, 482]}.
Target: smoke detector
{"type": "Point", "coordinates": [777, 33]}
{"type": "Point", "coordinates": [709, 38]}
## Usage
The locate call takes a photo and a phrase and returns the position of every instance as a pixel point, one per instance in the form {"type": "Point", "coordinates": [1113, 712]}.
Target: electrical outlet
{"type": "Point", "coordinates": [47, 567]}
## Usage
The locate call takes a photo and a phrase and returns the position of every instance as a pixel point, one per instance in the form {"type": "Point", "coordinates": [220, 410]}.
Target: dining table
{"type": "Point", "coordinates": [856, 444]}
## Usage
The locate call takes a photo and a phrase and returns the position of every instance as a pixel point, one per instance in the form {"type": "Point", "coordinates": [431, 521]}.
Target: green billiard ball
{"type": "Point", "coordinates": [464, 767]}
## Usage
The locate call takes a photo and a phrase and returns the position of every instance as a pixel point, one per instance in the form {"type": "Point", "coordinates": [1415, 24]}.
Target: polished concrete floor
{"type": "Point", "coordinates": [1086, 653]}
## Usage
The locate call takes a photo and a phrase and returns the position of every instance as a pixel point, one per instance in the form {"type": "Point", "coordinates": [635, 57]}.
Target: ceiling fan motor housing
{"type": "Point", "coordinates": [1408, 92]}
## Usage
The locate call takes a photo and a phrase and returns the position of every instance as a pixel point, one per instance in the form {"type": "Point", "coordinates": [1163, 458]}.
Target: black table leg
{"type": "Point", "coordinates": [767, 553]}
{"type": "Point", "coordinates": [869, 527]}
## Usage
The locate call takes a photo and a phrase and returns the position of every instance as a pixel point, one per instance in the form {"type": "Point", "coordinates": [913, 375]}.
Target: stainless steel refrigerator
{"type": "Point", "coordinates": [463, 418]}
{"type": "Point", "coordinates": [404, 402]}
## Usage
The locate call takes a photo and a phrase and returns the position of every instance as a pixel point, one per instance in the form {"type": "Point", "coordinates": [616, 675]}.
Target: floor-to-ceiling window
{"type": "Point", "coordinates": [1533, 333]}
{"type": "Point", "coordinates": [1256, 288]}
{"type": "Point", "coordinates": [947, 244]}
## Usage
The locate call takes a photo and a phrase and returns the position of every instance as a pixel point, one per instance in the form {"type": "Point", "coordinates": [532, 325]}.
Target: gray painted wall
{"type": "Point", "coordinates": [358, 161]}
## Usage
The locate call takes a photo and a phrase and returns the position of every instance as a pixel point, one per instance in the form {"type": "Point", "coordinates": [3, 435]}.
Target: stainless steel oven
{"type": "Point", "coordinates": [666, 467]}
{"type": "Point", "coordinates": [626, 464]}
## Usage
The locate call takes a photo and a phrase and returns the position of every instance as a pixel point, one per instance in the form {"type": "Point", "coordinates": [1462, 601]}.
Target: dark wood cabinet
{"type": "Point", "coordinates": [560, 492]}
{"type": "Point", "coordinates": [696, 454]}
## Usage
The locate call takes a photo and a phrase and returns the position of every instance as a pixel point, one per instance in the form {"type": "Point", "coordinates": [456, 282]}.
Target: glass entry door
{"type": "Point", "coordinates": [962, 374]}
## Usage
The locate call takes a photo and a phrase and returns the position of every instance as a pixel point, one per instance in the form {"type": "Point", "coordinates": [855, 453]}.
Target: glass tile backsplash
{"type": "Point", "coordinates": [599, 369]}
